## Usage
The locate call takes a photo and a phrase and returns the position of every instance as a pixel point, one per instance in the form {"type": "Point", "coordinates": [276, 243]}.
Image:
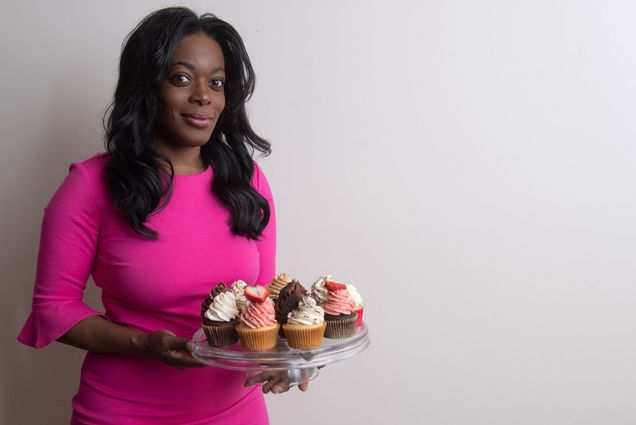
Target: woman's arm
{"type": "Point", "coordinates": [98, 335]}
{"type": "Point", "coordinates": [68, 246]}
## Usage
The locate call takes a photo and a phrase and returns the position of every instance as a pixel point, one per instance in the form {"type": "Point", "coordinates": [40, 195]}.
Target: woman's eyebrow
{"type": "Point", "coordinates": [192, 67]}
{"type": "Point", "coordinates": [186, 64]}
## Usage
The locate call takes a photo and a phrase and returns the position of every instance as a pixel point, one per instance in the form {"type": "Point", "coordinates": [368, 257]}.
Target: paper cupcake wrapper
{"type": "Point", "coordinates": [304, 337]}
{"type": "Point", "coordinates": [258, 339]}
{"type": "Point", "coordinates": [341, 328]}
{"type": "Point", "coordinates": [220, 335]}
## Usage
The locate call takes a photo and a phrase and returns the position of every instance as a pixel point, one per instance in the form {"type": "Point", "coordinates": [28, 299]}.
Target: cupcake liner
{"type": "Point", "coordinates": [258, 339]}
{"type": "Point", "coordinates": [341, 328]}
{"type": "Point", "coordinates": [220, 334]}
{"type": "Point", "coordinates": [304, 336]}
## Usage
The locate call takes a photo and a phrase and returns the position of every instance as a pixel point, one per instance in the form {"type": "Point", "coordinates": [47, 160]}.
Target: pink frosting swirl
{"type": "Point", "coordinates": [339, 302]}
{"type": "Point", "coordinates": [259, 315]}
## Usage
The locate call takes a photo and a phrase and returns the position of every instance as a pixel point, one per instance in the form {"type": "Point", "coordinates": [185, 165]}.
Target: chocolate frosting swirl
{"type": "Point", "coordinates": [288, 300]}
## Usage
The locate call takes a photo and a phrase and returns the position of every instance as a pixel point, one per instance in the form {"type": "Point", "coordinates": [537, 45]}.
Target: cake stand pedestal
{"type": "Point", "coordinates": [299, 365]}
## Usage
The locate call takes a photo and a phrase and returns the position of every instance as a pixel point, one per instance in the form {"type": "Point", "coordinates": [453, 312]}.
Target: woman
{"type": "Point", "coordinates": [174, 206]}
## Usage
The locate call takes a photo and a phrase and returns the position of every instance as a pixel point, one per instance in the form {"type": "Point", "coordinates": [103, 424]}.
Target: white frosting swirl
{"type": "Point", "coordinates": [357, 298]}
{"type": "Point", "coordinates": [223, 308]}
{"type": "Point", "coordinates": [319, 291]}
{"type": "Point", "coordinates": [307, 313]}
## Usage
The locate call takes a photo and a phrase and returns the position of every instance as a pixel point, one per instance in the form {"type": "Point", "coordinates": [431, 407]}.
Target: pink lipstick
{"type": "Point", "coordinates": [197, 120]}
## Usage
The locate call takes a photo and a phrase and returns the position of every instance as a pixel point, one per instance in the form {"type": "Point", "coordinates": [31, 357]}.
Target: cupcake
{"type": "Point", "coordinates": [318, 290]}
{"type": "Point", "coordinates": [257, 329]}
{"type": "Point", "coordinates": [305, 325]}
{"type": "Point", "coordinates": [276, 285]}
{"type": "Point", "coordinates": [339, 315]}
{"type": "Point", "coordinates": [359, 304]}
{"type": "Point", "coordinates": [238, 287]}
{"type": "Point", "coordinates": [288, 300]}
{"type": "Point", "coordinates": [220, 316]}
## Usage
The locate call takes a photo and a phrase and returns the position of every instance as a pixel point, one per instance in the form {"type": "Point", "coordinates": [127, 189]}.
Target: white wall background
{"type": "Point", "coordinates": [468, 165]}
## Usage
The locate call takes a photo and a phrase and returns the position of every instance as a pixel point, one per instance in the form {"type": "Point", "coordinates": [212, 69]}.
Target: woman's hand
{"type": "Point", "coordinates": [99, 335]}
{"type": "Point", "coordinates": [171, 349]}
{"type": "Point", "coordinates": [275, 381]}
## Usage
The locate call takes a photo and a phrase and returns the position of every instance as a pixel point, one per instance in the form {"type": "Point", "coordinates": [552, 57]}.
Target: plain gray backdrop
{"type": "Point", "coordinates": [468, 165]}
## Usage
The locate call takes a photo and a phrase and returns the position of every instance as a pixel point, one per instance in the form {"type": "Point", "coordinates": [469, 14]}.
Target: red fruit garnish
{"type": "Point", "coordinates": [256, 294]}
{"type": "Point", "coordinates": [334, 286]}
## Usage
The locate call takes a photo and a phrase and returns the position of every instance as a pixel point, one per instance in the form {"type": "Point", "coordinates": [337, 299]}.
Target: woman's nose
{"type": "Point", "coordinates": [201, 93]}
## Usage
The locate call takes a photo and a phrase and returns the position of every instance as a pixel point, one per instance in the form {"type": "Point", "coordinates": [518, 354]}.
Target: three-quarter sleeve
{"type": "Point", "coordinates": [267, 243]}
{"type": "Point", "coordinates": [67, 251]}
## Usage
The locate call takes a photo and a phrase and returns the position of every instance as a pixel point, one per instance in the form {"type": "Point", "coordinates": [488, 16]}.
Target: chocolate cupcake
{"type": "Point", "coordinates": [219, 316]}
{"type": "Point", "coordinates": [339, 311]}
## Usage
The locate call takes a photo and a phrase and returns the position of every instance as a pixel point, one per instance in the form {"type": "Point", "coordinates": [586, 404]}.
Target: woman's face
{"type": "Point", "coordinates": [192, 95]}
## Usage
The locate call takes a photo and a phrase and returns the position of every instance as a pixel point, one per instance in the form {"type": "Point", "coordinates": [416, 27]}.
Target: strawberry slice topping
{"type": "Point", "coordinates": [334, 286]}
{"type": "Point", "coordinates": [256, 294]}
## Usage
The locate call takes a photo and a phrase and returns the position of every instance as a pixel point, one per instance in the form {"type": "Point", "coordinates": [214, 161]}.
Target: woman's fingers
{"type": "Point", "coordinates": [275, 382]}
{"type": "Point", "coordinates": [278, 384]}
{"type": "Point", "coordinates": [272, 381]}
{"type": "Point", "coordinates": [172, 349]}
{"type": "Point", "coordinates": [183, 359]}
{"type": "Point", "coordinates": [269, 385]}
{"type": "Point", "coordinates": [257, 379]}
{"type": "Point", "coordinates": [181, 353]}
{"type": "Point", "coordinates": [172, 342]}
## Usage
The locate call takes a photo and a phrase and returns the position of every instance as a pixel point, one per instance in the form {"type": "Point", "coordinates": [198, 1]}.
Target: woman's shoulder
{"type": "Point", "coordinates": [86, 179]}
{"type": "Point", "coordinates": [93, 169]}
{"type": "Point", "coordinates": [95, 165]}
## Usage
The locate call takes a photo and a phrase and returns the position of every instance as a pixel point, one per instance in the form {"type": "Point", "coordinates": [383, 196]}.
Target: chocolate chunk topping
{"type": "Point", "coordinates": [219, 289]}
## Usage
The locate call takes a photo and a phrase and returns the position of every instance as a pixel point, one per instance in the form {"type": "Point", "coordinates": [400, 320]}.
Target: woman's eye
{"type": "Point", "coordinates": [179, 78]}
{"type": "Point", "coordinates": [217, 83]}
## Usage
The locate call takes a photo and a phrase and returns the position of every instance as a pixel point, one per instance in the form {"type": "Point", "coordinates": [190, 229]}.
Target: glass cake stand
{"type": "Point", "coordinates": [300, 365]}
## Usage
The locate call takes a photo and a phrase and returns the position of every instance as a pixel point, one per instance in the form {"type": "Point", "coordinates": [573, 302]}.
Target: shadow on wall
{"type": "Point", "coordinates": [49, 376]}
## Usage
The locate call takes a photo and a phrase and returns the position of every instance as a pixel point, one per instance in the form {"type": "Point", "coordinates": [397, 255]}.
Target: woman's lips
{"type": "Point", "coordinates": [197, 120]}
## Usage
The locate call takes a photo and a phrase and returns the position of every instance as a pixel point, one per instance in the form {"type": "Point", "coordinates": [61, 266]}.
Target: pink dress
{"type": "Point", "coordinates": [146, 285]}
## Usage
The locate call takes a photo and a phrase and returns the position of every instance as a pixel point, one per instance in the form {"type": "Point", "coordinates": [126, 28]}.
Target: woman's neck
{"type": "Point", "coordinates": [184, 160]}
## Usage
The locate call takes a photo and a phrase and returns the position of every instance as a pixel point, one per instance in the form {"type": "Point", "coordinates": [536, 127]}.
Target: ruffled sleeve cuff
{"type": "Point", "coordinates": [50, 320]}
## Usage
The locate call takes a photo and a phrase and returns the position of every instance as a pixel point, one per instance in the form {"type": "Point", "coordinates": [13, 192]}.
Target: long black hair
{"type": "Point", "coordinates": [137, 181]}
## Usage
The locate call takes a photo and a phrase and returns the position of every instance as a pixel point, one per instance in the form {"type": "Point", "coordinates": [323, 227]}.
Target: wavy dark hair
{"type": "Point", "coordinates": [138, 181]}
